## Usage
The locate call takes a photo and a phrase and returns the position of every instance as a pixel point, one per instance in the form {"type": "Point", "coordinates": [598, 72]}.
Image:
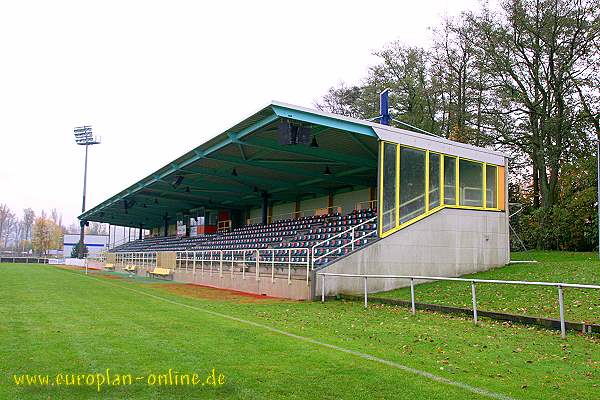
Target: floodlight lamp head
{"type": "Point", "coordinates": [84, 136]}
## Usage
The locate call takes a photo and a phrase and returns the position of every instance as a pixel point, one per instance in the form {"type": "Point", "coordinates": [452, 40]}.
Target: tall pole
{"type": "Point", "coordinates": [82, 223]}
{"type": "Point", "coordinates": [598, 186]}
{"type": "Point", "coordinates": [84, 178]}
{"type": "Point", "coordinates": [84, 137]}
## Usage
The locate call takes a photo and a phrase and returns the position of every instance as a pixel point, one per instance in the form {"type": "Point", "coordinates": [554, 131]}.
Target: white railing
{"type": "Point", "coordinates": [98, 257]}
{"type": "Point", "coordinates": [140, 259]}
{"type": "Point", "coordinates": [354, 239]}
{"type": "Point", "coordinates": [361, 205]}
{"type": "Point", "coordinates": [413, 278]}
{"type": "Point", "coordinates": [236, 262]}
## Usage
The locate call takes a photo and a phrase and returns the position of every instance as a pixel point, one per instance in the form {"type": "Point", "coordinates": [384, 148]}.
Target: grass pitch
{"type": "Point", "coordinates": [57, 321]}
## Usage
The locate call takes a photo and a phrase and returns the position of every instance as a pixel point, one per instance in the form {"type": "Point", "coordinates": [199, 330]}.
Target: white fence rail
{"type": "Point", "coordinates": [276, 261]}
{"type": "Point", "coordinates": [141, 259]}
{"type": "Point", "coordinates": [473, 282]}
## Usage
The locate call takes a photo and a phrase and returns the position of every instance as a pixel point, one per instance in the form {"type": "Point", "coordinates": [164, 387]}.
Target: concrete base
{"type": "Point", "coordinates": [449, 243]}
{"type": "Point", "coordinates": [295, 289]}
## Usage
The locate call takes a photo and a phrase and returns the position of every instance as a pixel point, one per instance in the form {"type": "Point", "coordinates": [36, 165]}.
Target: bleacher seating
{"type": "Point", "coordinates": [302, 233]}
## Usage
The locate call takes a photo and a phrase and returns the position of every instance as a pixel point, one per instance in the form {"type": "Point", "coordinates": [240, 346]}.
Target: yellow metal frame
{"type": "Point", "coordinates": [442, 184]}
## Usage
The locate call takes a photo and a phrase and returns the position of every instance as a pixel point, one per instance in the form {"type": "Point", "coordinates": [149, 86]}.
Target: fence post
{"type": "Point", "coordinates": [257, 265]}
{"type": "Point", "coordinates": [412, 296]}
{"type": "Point", "coordinates": [221, 264]}
{"type": "Point", "coordinates": [243, 264]}
{"type": "Point", "coordinates": [273, 266]}
{"type": "Point", "coordinates": [366, 292]}
{"type": "Point", "coordinates": [308, 269]}
{"type": "Point", "coordinates": [561, 306]}
{"type": "Point", "coordinates": [322, 288]}
{"type": "Point", "coordinates": [352, 241]}
{"type": "Point", "coordinates": [473, 295]}
{"type": "Point", "coordinates": [290, 266]}
{"type": "Point", "coordinates": [194, 265]}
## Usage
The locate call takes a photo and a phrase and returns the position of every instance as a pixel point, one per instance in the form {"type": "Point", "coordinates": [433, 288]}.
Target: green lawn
{"type": "Point", "coordinates": [59, 321]}
{"type": "Point", "coordinates": [580, 304]}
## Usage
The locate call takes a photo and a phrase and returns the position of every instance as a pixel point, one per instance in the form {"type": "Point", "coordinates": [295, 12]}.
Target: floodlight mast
{"type": "Point", "coordinates": [84, 137]}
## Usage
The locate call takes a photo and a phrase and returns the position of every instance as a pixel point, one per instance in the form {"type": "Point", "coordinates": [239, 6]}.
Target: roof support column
{"type": "Point", "coordinates": [166, 226]}
{"type": "Point", "coordinates": [265, 208]}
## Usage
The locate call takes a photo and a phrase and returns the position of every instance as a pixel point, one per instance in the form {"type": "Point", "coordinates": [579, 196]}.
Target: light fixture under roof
{"type": "Point", "coordinates": [314, 143]}
{"type": "Point", "coordinates": [327, 171]}
{"type": "Point", "coordinates": [178, 180]}
{"type": "Point", "coordinates": [234, 172]}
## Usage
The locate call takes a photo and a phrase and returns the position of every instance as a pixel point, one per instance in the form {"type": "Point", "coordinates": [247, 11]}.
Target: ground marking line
{"type": "Point", "coordinates": [428, 375]}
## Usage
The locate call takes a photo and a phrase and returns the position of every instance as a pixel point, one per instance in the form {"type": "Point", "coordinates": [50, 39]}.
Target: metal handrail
{"type": "Point", "coordinates": [473, 281]}
{"type": "Point", "coordinates": [354, 239]}
{"type": "Point", "coordinates": [257, 252]}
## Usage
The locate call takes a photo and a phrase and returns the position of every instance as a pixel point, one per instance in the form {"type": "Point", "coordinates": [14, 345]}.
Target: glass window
{"type": "Point", "coordinates": [388, 209]}
{"type": "Point", "coordinates": [412, 183]}
{"type": "Point", "coordinates": [491, 193]}
{"type": "Point", "coordinates": [434, 180]}
{"type": "Point", "coordinates": [470, 183]}
{"type": "Point", "coordinates": [450, 180]}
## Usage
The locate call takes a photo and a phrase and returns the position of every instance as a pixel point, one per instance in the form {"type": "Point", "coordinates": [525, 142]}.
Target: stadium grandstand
{"type": "Point", "coordinates": [289, 191]}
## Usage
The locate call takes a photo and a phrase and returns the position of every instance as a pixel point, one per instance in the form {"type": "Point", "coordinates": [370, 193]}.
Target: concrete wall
{"type": "Point", "coordinates": [255, 214]}
{"type": "Point", "coordinates": [283, 211]}
{"type": "Point", "coordinates": [346, 200]}
{"type": "Point", "coordinates": [349, 200]}
{"type": "Point", "coordinates": [296, 289]}
{"type": "Point", "coordinates": [451, 242]}
{"type": "Point", "coordinates": [312, 204]}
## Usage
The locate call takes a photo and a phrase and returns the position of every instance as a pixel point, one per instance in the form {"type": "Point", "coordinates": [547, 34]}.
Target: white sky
{"type": "Point", "coordinates": [158, 78]}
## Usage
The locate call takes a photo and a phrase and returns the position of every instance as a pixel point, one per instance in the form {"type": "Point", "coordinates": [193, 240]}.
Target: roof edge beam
{"type": "Point", "coordinates": [299, 115]}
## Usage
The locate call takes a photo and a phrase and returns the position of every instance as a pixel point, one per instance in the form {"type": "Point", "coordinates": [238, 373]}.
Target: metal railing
{"type": "Point", "coordinates": [224, 226]}
{"type": "Point", "coordinates": [140, 259]}
{"type": "Point", "coordinates": [361, 205]}
{"type": "Point", "coordinates": [99, 257]}
{"type": "Point", "coordinates": [413, 278]}
{"type": "Point", "coordinates": [230, 261]}
{"type": "Point", "coordinates": [354, 239]}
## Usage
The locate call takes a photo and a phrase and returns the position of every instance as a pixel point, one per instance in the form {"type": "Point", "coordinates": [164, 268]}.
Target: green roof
{"type": "Point", "coordinates": [286, 172]}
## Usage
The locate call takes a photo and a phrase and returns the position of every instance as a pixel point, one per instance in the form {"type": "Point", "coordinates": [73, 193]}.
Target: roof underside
{"type": "Point", "coordinates": [286, 172]}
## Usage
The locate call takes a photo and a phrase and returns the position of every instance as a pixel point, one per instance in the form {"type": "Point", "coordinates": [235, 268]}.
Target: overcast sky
{"type": "Point", "coordinates": [158, 78]}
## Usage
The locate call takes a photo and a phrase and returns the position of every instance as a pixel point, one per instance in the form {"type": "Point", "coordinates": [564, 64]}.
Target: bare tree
{"type": "Point", "coordinates": [28, 218]}
{"type": "Point", "coordinates": [6, 217]}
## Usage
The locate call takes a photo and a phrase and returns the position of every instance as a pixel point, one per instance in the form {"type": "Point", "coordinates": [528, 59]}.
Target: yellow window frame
{"type": "Point", "coordinates": [442, 204]}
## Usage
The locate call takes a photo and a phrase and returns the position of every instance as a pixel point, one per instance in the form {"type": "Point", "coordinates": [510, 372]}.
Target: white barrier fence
{"type": "Point", "coordinates": [141, 259]}
{"type": "Point", "coordinates": [272, 261]}
{"type": "Point", "coordinates": [559, 285]}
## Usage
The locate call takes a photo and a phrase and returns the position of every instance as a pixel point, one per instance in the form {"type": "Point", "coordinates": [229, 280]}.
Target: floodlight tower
{"type": "Point", "coordinates": [84, 137]}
